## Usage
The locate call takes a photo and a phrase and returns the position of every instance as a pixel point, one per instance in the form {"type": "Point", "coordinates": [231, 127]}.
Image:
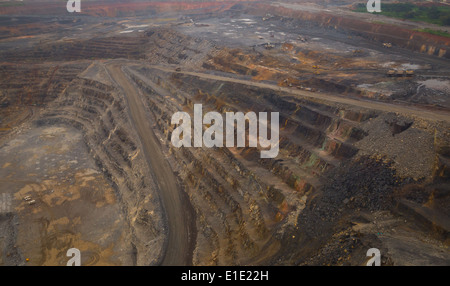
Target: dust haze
{"type": "Point", "coordinates": [86, 160]}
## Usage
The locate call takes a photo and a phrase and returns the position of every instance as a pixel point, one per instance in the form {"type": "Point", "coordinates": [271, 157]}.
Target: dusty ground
{"type": "Point", "coordinates": [73, 204]}
{"type": "Point", "coordinates": [86, 159]}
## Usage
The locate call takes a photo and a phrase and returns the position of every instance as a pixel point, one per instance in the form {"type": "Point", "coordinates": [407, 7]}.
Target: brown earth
{"type": "Point", "coordinates": [86, 129]}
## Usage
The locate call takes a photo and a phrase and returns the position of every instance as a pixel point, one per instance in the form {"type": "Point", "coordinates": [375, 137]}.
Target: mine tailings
{"type": "Point", "coordinates": [401, 37]}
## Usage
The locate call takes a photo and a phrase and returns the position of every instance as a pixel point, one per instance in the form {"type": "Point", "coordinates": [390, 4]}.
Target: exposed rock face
{"type": "Point", "coordinates": [243, 201]}
{"type": "Point", "coordinates": [99, 110]}
{"type": "Point", "coordinates": [345, 169]}
{"type": "Point", "coordinates": [414, 40]}
{"type": "Point", "coordinates": [317, 140]}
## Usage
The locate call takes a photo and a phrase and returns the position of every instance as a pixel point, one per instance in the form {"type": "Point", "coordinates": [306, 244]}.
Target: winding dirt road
{"type": "Point", "coordinates": [179, 216]}
{"type": "Point", "coordinates": [412, 111]}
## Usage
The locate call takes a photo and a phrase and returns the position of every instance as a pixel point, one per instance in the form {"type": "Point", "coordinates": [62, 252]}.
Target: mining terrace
{"type": "Point", "coordinates": [86, 160]}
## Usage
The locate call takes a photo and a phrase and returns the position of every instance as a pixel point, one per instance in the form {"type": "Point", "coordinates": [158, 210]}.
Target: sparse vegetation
{"type": "Point", "coordinates": [10, 4]}
{"type": "Point", "coordinates": [435, 32]}
{"type": "Point", "coordinates": [439, 15]}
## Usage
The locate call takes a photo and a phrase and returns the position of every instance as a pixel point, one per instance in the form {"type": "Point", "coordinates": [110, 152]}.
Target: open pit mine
{"type": "Point", "coordinates": [86, 154]}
